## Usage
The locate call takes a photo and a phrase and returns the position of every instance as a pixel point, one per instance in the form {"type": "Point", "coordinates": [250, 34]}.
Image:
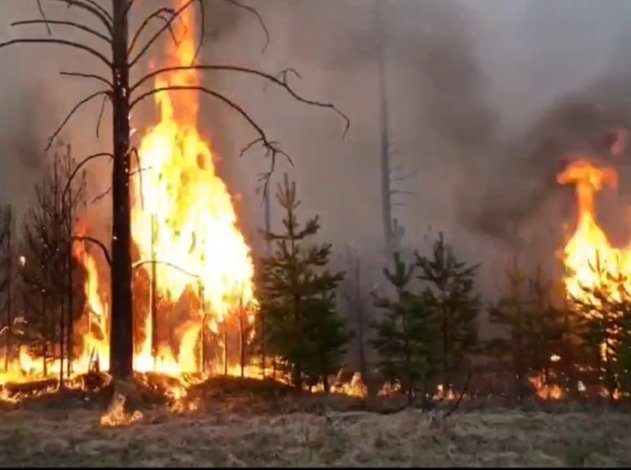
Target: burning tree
{"type": "Point", "coordinates": [123, 95]}
{"type": "Point", "coordinates": [407, 338]}
{"type": "Point", "coordinates": [450, 286]}
{"type": "Point", "coordinates": [48, 264]}
{"type": "Point", "coordinates": [302, 326]}
{"type": "Point", "coordinates": [534, 329]}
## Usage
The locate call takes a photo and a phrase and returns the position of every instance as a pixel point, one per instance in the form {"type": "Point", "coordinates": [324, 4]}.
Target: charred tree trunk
{"type": "Point", "coordinates": [121, 335]}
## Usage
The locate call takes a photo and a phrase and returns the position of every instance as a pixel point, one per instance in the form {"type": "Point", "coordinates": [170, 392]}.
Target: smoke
{"type": "Point", "coordinates": [487, 101]}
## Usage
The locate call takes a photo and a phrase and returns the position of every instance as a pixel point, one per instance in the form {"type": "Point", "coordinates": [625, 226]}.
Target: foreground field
{"type": "Point", "coordinates": [499, 438]}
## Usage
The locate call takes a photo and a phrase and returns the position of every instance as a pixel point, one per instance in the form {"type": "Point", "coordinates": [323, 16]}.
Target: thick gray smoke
{"type": "Point", "coordinates": [486, 101]}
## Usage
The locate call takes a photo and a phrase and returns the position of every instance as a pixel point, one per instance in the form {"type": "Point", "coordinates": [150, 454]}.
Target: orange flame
{"type": "Point", "coordinates": [183, 216]}
{"type": "Point", "coordinates": [591, 261]}
{"type": "Point", "coordinates": [95, 340]}
{"type": "Point", "coordinates": [589, 247]}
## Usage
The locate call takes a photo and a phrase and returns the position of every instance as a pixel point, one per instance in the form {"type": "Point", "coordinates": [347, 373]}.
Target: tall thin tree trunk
{"type": "Point", "coordinates": [46, 331]}
{"type": "Point", "coordinates": [360, 321]}
{"type": "Point", "coordinates": [59, 262]}
{"type": "Point", "coordinates": [386, 192]}
{"type": "Point", "coordinates": [121, 335]}
{"type": "Point", "coordinates": [268, 249]}
{"type": "Point", "coordinates": [225, 347]}
{"type": "Point", "coordinates": [202, 301]}
{"type": "Point", "coordinates": [9, 290]}
{"type": "Point", "coordinates": [242, 338]}
{"type": "Point", "coordinates": [70, 293]}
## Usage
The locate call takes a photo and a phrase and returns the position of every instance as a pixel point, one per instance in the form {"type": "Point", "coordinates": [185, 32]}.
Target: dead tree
{"type": "Point", "coordinates": [6, 275]}
{"type": "Point", "coordinates": [391, 175]}
{"type": "Point", "coordinates": [122, 58]}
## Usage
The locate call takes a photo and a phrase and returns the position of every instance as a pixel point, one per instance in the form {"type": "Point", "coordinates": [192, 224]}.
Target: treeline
{"type": "Point", "coordinates": [426, 333]}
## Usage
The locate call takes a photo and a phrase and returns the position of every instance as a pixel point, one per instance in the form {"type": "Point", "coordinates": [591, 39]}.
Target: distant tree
{"type": "Point", "coordinates": [450, 286]}
{"type": "Point", "coordinates": [7, 266]}
{"type": "Point", "coordinates": [406, 338]}
{"type": "Point", "coordinates": [302, 326]}
{"type": "Point", "coordinates": [46, 274]}
{"type": "Point", "coordinates": [534, 327]}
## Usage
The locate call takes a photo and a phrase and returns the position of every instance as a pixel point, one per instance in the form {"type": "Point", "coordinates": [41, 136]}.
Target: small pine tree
{"type": "Point", "coordinates": [603, 310]}
{"type": "Point", "coordinates": [535, 328]}
{"type": "Point", "coordinates": [406, 337]}
{"type": "Point", "coordinates": [450, 286]}
{"type": "Point", "coordinates": [302, 326]}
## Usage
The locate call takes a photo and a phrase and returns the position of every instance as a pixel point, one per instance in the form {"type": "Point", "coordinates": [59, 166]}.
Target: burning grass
{"type": "Point", "coordinates": [347, 439]}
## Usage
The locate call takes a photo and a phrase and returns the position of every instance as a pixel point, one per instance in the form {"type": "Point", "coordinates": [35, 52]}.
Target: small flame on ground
{"type": "Point", "coordinates": [116, 415]}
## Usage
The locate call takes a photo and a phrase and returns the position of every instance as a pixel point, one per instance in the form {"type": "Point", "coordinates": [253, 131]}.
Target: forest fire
{"type": "Point", "coordinates": [588, 255]}
{"type": "Point", "coordinates": [184, 220]}
{"type": "Point", "coordinates": [193, 287]}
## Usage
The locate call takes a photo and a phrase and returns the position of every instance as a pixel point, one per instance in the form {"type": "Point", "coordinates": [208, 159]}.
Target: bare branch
{"type": "Point", "coordinates": [62, 42]}
{"type": "Point", "coordinates": [156, 14]}
{"type": "Point", "coordinates": [63, 23]}
{"type": "Point", "coordinates": [142, 197]}
{"type": "Point", "coordinates": [155, 37]}
{"type": "Point", "coordinates": [282, 76]}
{"type": "Point", "coordinates": [102, 195]}
{"type": "Point", "coordinates": [79, 166]}
{"type": "Point", "coordinates": [129, 5]}
{"type": "Point", "coordinates": [71, 113]}
{"type": "Point", "coordinates": [98, 121]}
{"type": "Point", "coordinates": [219, 96]}
{"type": "Point", "coordinates": [98, 243]}
{"type": "Point", "coordinates": [91, 7]}
{"type": "Point", "coordinates": [281, 82]}
{"type": "Point", "coordinates": [202, 30]}
{"type": "Point", "coordinates": [255, 12]}
{"type": "Point", "coordinates": [249, 146]}
{"type": "Point", "coordinates": [109, 189]}
{"type": "Point", "coordinates": [41, 11]}
{"type": "Point", "coordinates": [101, 9]}
{"type": "Point", "coordinates": [271, 147]}
{"type": "Point", "coordinates": [88, 75]}
{"type": "Point", "coordinates": [166, 263]}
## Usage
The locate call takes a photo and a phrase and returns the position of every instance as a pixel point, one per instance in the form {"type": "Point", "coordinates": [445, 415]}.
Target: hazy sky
{"type": "Point", "coordinates": [469, 81]}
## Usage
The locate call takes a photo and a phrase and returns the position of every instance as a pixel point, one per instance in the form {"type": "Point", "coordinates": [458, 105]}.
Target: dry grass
{"type": "Point", "coordinates": [508, 438]}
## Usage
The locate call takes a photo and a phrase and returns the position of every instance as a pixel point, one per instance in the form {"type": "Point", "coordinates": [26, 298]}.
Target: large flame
{"type": "Point", "coordinates": [95, 350]}
{"type": "Point", "coordinates": [186, 232]}
{"type": "Point", "coordinates": [184, 220]}
{"type": "Point", "coordinates": [588, 255]}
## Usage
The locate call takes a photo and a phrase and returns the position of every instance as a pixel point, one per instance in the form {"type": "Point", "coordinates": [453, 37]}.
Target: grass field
{"type": "Point", "coordinates": [492, 438]}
